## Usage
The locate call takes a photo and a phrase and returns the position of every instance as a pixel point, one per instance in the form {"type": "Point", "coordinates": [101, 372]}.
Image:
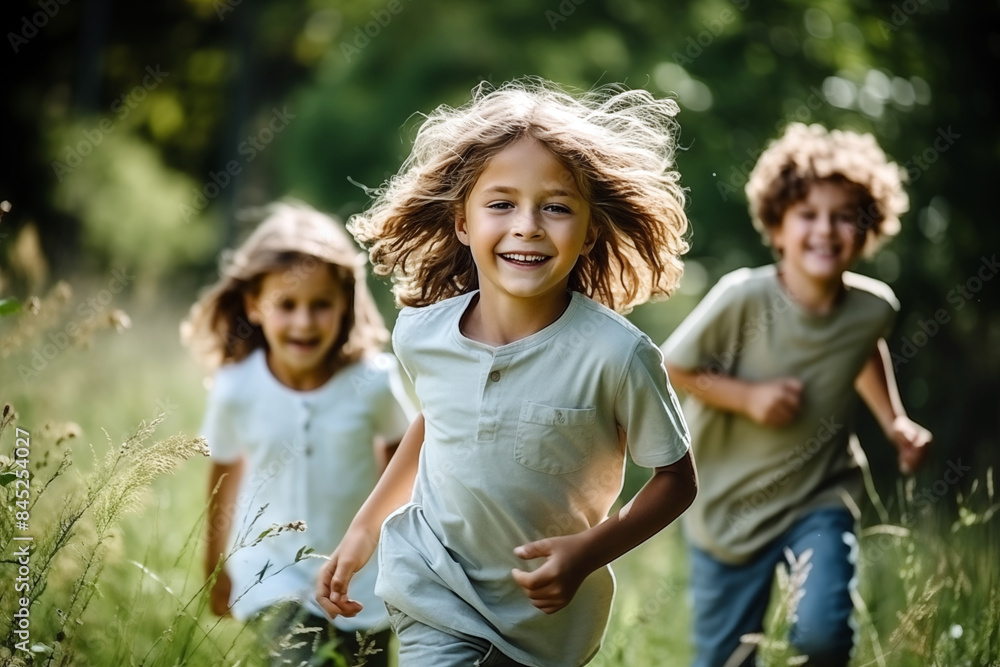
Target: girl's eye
{"type": "Point", "coordinates": [558, 208]}
{"type": "Point", "coordinates": [286, 305]}
{"type": "Point", "coordinates": [500, 205]}
{"type": "Point", "coordinates": [322, 305]}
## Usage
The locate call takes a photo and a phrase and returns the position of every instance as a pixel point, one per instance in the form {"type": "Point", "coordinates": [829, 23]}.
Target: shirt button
{"type": "Point", "coordinates": [560, 417]}
{"type": "Point", "coordinates": [495, 376]}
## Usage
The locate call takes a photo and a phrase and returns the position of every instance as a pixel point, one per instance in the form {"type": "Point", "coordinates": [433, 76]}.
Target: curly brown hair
{"type": "Point", "coordinates": [292, 237]}
{"type": "Point", "coordinates": [617, 143]}
{"type": "Point", "coordinates": [807, 154]}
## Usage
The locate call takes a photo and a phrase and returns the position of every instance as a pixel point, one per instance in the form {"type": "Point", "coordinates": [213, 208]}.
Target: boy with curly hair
{"type": "Point", "coordinates": [772, 360]}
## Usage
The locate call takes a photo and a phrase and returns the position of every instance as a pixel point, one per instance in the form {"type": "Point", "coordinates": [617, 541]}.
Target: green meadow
{"type": "Point", "coordinates": [116, 505]}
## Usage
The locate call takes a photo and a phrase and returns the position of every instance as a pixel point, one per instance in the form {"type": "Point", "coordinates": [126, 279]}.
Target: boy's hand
{"type": "Point", "coordinates": [553, 585]}
{"type": "Point", "coordinates": [912, 440]}
{"type": "Point", "coordinates": [219, 595]}
{"type": "Point", "coordinates": [775, 402]}
{"type": "Point", "coordinates": [350, 556]}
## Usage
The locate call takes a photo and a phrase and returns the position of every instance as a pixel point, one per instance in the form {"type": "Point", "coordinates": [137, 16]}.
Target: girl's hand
{"type": "Point", "coordinates": [351, 554]}
{"type": "Point", "coordinates": [912, 440]}
{"type": "Point", "coordinates": [776, 402]}
{"type": "Point", "coordinates": [219, 595]}
{"type": "Point", "coordinates": [553, 585]}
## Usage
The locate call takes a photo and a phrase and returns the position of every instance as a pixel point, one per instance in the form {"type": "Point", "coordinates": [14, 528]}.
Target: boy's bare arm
{"type": "Point", "coordinates": [876, 384]}
{"type": "Point", "coordinates": [394, 488]}
{"type": "Point", "coordinates": [772, 403]}
{"type": "Point", "coordinates": [571, 558]}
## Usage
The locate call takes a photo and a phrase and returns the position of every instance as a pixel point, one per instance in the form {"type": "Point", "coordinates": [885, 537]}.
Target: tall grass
{"type": "Point", "coordinates": [74, 592]}
{"type": "Point", "coordinates": [929, 590]}
{"type": "Point", "coordinates": [117, 519]}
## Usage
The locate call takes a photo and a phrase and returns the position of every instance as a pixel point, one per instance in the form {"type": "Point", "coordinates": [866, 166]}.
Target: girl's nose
{"type": "Point", "coordinates": [526, 225]}
{"type": "Point", "coordinates": [302, 317]}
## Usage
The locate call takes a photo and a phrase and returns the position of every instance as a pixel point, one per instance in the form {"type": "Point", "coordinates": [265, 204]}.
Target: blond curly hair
{"type": "Point", "coordinates": [806, 154]}
{"type": "Point", "coordinates": [617, 143]}
{"type": "Point", "coordinates": [291, 237]}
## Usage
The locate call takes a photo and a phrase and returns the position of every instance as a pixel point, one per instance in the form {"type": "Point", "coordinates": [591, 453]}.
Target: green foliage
{"type": "Point", "coordinates": [9, 306]}
{"type": "Point", "coordinates": [131, 206]}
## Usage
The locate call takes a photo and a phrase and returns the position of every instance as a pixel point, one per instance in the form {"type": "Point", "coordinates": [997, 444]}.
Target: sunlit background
{"type": "Point", "coordinates": [134, 132]}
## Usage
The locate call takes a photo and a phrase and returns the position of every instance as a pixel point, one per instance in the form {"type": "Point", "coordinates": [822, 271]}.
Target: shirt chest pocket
{"type": "Point", "coordinates": [554, 440]}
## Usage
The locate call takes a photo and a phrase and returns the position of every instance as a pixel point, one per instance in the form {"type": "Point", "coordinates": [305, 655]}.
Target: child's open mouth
{"type": "Point", "coordinates": [304, 345]}
{"type": "Point", "coordinates": [520, 259]}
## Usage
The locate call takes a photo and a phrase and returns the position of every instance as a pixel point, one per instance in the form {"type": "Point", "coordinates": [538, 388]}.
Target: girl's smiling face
{"type": "Point", "coordinates": [527, 224]}
{"type": "Point", "coordinates": [300, 311]}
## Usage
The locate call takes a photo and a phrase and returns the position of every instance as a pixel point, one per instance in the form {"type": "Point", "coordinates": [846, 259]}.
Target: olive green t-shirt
{"type": "Point", "coordinates": [754, 480]}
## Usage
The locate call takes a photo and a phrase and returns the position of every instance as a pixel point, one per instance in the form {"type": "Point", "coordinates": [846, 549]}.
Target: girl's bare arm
{"type": "Point", "coordinates": [570, 559]}
{"type": "Point", "coordinates": [394, 488]}
{"type": "Point", "coordinates": [223, 485]}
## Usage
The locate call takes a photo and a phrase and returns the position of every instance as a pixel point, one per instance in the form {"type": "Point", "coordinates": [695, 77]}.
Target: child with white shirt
{"type": "Point", "coordinates": [515, 230]}
{"type": "Point", "coordinates": [303, 415]}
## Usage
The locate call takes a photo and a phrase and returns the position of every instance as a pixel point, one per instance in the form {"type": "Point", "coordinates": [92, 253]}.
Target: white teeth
{"type": "Point", "coordinates": [524, 258]}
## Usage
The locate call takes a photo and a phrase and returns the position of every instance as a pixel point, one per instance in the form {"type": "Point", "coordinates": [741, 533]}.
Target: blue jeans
{"type": "Point", "coordinates": [422, 646]}
{"type": "Point", "coordinates": [731, 600]}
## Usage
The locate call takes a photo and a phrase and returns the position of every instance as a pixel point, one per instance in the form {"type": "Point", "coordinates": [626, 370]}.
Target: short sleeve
{"type": "Point", "coordinates": [395, 409]}
{"type": "Point", "coordinates": [892, 314]}
{"type": "Point", "coordinates": [648, 411]}
{"type": "Point", "coordinates": [879, 293]}
{"type": "Point", "coordinates": [219, 426]}
{"type": "Point", "coordinates": [709, 336]}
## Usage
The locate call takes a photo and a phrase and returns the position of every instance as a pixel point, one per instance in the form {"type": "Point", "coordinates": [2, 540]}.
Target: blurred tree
{"type": "Point", "coordinates": [224, 103]}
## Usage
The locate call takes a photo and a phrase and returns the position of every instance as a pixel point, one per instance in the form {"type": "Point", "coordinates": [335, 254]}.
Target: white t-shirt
{"type": "Point", "coordinates": [522, 441]}
{"type": "Point", "coordinates": [308, 456]}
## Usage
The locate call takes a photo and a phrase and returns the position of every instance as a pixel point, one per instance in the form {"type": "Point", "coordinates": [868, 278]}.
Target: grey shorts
{"type": "Point", "coordinates": [421, 645]}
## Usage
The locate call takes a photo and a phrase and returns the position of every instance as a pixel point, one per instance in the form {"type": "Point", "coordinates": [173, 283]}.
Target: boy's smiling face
{"type": "Point", "coordinates": [819, 237]}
